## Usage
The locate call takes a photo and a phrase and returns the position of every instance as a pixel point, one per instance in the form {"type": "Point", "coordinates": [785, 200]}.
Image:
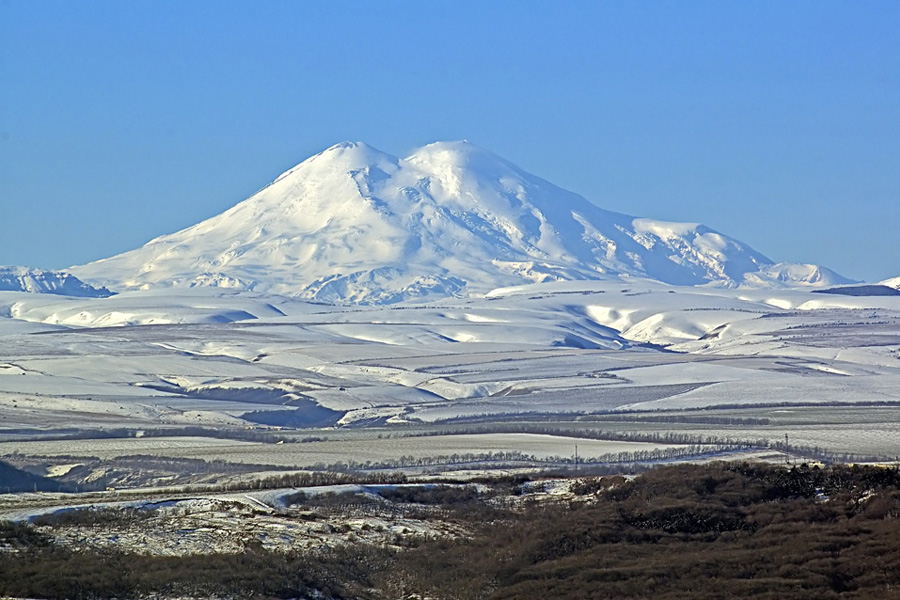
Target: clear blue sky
{"type": "Point", "coordinates": [777, 123]}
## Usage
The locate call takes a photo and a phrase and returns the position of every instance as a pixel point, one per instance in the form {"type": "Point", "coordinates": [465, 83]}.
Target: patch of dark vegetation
{"type": "Point", "coordinates": [17, 536]}
{"type": "Point", "coordinates": [715, 531]}
{"type": "Point", "coordinates": [593, 485]}
{"type": "Point", "coordinates": [576, 431]}
{"type": "Point", "coordinates": [305, 479]}
{"type": "Point", "coordinates": [248, 395]}
{"type": "Point", "coordinates": [681, 418]}
{"type": "Point", "coordinates": [861, 290]}
{"type": "Point", "coordinates": [331, 500]}
{"type": "Point", "coordinates": [719, 531]}
{"type": "Point", "coordinates": [93, 517]}
{"type": "Point", "coordinates": [338, 573]}
{"type": "Point", "coordinates": [311, 415]}
{"type": "Point", "coordinates": [439, 495]}
{"type": "Point", "coordinates": [93, 474]}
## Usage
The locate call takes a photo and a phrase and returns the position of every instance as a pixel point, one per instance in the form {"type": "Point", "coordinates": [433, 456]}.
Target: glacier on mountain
{"type": "Point", "coordinates": [353, 224]}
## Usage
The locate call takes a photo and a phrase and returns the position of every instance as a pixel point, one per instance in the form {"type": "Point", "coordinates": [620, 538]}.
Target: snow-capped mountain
{"type": "Point", "coordinates": [40, 281]}
{"type": "Point", "coordinates": [794, 275]}
{"type": "Point", "coordinates": [354, 224]}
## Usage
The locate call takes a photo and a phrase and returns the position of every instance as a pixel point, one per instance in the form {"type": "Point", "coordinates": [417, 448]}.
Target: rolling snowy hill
{"type": "Point", "coordinates": [353, 224]}
{"type": "Point", "coordinates": [223, 358]}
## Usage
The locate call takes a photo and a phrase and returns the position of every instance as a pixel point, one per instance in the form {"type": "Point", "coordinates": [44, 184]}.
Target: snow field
{"type": "Point", "coordinates": [698, 347]}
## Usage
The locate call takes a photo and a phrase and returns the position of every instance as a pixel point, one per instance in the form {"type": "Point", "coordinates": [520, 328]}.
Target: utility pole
{"type": "Point", "coordinates": [576, 458]}
{"type": "Point", "coordinates": [787, 446]}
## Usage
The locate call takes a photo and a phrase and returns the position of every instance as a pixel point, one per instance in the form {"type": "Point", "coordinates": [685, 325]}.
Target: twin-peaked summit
{"type": "Point", "coordinates": [354, 224]}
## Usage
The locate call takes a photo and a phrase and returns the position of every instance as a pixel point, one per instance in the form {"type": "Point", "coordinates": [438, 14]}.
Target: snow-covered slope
{"type": "Point", "coordinates": [27, 279]}
{"type": "Point", "coordinates": [793, 275]}
{"type": "Point", "coordinates": [893, 282]}
{"type": "Point", "coordinates": [353, 224]}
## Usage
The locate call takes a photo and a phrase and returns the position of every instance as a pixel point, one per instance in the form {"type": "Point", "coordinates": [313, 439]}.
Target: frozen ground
{"type": "Point", "coordinates": [310, 454]}
{"type": "Point", "coordinates": [144, 360]}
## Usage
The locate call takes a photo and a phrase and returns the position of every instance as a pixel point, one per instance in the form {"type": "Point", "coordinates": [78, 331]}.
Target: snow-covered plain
{"type": "Point", "coordinates": [224, 358]}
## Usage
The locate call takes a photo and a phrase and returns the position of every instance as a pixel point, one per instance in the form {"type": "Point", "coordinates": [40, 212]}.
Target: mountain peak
{"type": "Point", "coordinates": [346, 145]}
{"type": "Point", "coordinates": [344, 157]}
{"type": "Point", "coordinates": [461, 155]}
{"type": "Point", "coordinates": [354, 149]}
{"type": "Point", "coordinates": [355, 224]}
{"type": "Point", "coordinates": [352, 152]}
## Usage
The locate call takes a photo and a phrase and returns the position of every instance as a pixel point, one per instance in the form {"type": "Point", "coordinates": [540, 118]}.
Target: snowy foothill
{"type": "Point", "coordinates": [225, 358]}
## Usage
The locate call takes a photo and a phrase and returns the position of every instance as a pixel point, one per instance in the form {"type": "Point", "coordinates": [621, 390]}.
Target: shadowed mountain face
{"type": "Point", "coordinates": [353, 224]}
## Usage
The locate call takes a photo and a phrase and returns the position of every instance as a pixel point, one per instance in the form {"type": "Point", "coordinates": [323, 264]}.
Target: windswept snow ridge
{"type": "Point", "coordinates": [356, 225]}
{"type": "Point", "coordinates": [793, 275]}
{"type": "Point", "coordinates": [40, 281]}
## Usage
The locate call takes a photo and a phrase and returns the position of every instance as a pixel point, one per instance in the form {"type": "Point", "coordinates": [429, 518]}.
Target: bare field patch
{"type": "Point", "coordinates": [113, 448]}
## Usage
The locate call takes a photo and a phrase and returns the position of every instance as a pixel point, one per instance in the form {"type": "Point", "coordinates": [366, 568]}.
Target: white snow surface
{"type": "Point", "coordinates": [356, 225]}
{"type": "Point", "coordinates": [894, 282]}
{"type": "Point", "coordinates": [793, 275]}
{"type": "Point", "coordinates": [211, 356]}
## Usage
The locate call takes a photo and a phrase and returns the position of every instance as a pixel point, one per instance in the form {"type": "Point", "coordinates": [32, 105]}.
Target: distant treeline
{"type": "Point", "coordinates": [650, 417]}
{"type": "Point", "coordinates": [227, 433]}
{"type": "Point", "coordinates": [575, 431]}
{"type": "Point", "coordinates": [690, 419]}
{"type": "Point", "coordinates": [712, 443]}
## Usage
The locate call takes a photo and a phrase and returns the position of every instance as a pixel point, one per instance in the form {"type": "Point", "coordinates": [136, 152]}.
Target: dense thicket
{"type": "Point", "coordinates": [738, 531]}
{"type": "Point", "coordinates": [717, 531]}
{"type": "Point", "coordinates": [52, 572]}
